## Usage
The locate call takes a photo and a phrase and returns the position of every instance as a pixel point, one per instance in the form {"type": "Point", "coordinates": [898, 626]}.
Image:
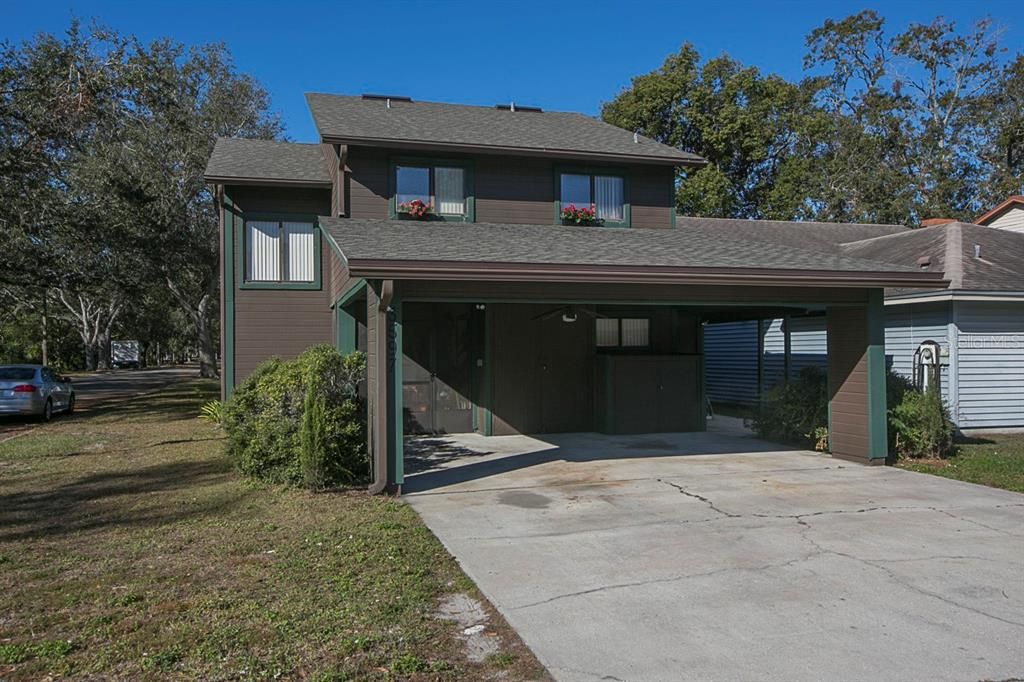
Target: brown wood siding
{"type": "Point", "coordinates": [507, 189]}
{"type": "Point", "coordinates": [366, 182]}
{"type": "Point", "coordinates": [848, 382]}
{"type": "Point", "coordinates": [514, 190]}
{"type": "Point", "coordinates": [280, 323]}
{"type": "Point", "coordinates": [652, 197]}
{"type": "Point", "coordinates": [338, 274]}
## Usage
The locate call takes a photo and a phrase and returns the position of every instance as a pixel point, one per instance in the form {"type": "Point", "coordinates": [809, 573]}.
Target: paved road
{"type": "Point", "coordinates": [93, 391]}
{"type": "Point", "coordinates": [640, 558]}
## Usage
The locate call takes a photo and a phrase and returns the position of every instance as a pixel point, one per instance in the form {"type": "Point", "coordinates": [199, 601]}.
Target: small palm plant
{"type": "Point", "coordinates": [212, 412]}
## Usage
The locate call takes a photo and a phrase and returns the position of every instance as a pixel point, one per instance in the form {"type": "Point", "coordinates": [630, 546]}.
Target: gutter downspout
{"type": "Point", "coordinates": [380, 432]}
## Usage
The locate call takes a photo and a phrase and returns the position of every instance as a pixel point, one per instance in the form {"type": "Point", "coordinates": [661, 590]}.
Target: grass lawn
{"type": "Point", "coordinates": [995, 460]}
{"type": "Point", "coordinates": [130, 549]}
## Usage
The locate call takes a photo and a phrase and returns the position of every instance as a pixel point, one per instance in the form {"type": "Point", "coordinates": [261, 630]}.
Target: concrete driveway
{"type": "Point", "coordinates": [719, 557]}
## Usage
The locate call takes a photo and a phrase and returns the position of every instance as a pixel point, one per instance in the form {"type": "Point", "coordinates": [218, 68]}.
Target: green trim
{"type": "Point", "coordinates": [353, 290]}
{"type": "Point", "coordinates": [344, 330]}
{"type": "Point", "coordinates": [228, 285]}
{"type": "Point", "coordinates": [315, 285]}
{"type": "Point", "coordinates": [345, 327]}
{"type": "Point", "coordinates": [878, 445]}
{"type": "Point", "coordinates": [432, 162]}
{"type": "Point", "coordinates": [396, 432]}
{"type": "Point", "coordinates": [592, 171]}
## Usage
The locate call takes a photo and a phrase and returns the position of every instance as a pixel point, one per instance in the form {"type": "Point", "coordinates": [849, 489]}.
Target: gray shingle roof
{"type": "Point", "coordinates": [353, 118]}
{"type": "Point", "coordinates": [797, 234]}
{"type": "Point", "coordinates": [242, 159]}
{"type": "Point", "coordinates": [950, 248]}
{"type": "Point", "coordinates": [549, 244]}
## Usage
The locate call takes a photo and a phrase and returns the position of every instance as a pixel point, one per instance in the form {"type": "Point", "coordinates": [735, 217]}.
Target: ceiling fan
{"type": "Point", "coordinates": [569, 314]}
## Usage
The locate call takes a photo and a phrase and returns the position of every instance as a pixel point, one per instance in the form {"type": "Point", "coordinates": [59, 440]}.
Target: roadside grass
{"type": "Point", "coordinates": [996, 460]}
{"type": "Point", "coordinates": [129, 548]}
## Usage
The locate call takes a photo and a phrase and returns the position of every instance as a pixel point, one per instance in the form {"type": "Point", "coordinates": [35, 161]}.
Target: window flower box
{"type": "Point", "coordinates": [415, 210]}
{"type": "Point", "coordinates": [579, 216]}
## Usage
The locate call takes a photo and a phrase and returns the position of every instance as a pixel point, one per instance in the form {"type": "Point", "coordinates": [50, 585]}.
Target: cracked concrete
{"type": "Point", "coordinates": [714, 557]}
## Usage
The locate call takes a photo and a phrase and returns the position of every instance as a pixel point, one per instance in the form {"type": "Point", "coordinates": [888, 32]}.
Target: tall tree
{"type": "Point", "coordinates": [183, 99]}
{"type": "Point", "coordinates": [911, 116]}
{"type": "Point", "coordinates": [744, 123]}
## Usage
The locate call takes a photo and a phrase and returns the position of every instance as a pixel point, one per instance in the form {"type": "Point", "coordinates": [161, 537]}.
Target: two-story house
{"type": "Point", "coordinates": [489, 314]}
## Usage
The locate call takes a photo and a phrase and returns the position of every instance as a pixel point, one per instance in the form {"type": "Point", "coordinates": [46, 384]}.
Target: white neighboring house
{"type": "Point", "coordinates": [978, 323]}
{"type": "Point", "coordinates": [1008, 215]}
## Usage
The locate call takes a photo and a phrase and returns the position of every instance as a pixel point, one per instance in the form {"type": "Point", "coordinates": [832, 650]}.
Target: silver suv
{"type": "Point", "coordinates": [34, 390]}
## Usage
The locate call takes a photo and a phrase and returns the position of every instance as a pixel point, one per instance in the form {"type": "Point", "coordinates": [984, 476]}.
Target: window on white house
{"type": "Point", "coordinates": [626, 332]}
{"type": "Point", "coordinates": [280, 251]}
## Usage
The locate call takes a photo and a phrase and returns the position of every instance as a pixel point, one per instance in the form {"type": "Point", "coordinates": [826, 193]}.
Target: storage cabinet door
{"type": "Point", "coordinates": [677, 394]}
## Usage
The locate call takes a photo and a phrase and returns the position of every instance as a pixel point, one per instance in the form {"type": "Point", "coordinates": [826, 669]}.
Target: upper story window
{"type": "Point", "coordinates": [280, 251]}
{"type": "Point", "coordinates": [443, 186]}
{"type": "Point", "coordinates": [604, 191]}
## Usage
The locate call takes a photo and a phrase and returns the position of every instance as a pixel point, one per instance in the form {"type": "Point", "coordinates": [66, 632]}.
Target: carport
{"type": "Point", "coordinates": [520, 329]}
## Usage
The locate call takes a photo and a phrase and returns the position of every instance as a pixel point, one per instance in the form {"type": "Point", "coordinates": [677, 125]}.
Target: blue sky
{"type": "Point", "coordinates": [557, 55]}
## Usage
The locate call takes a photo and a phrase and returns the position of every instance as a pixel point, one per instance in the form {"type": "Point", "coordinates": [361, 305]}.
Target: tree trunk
{"type": "Point", "coordinates": [103, 350]}
{"type": "Point", "coordinates": [204, 341]}
{"type": "Point", "coordinates": [91, 356]}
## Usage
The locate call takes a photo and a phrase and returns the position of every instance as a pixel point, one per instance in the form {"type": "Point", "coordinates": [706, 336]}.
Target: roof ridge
{"type": "Point", "coordinates": [486, 107]}
{"type": "Point", "coordinates": [954, 264]}
{"type": "Point", "coordinates": [825, 223]}
{"type": "Point", "coordinates": [909, 230]}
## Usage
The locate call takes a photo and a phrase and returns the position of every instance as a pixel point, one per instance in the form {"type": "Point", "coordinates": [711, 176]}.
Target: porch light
{"type": "Point", "coordinates": [569, 316]}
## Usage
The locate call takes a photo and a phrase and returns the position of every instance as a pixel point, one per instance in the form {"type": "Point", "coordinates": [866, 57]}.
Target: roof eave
{"type": "Point", "coordinates": [1000, 209]}
{"type": "Point", "coordinates": [612, 274]}
{"type": "Point", "coordinates": [266, 182]}
{"type": "Point", "coordinates": [517, 151]}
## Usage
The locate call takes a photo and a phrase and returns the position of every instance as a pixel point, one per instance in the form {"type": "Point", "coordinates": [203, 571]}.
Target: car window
{"type": "Point", "coordinates": [17, 374]}
{"type": "Point", "coordinates": [47, 374]}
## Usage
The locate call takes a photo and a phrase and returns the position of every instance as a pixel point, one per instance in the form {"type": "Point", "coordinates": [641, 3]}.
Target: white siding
{"type": "Point", "coordinates": [991, 364]}
{"type": "Point", "coordinates": [1012, 220]}
{"type": "Point", "coordinates": [906, 328]}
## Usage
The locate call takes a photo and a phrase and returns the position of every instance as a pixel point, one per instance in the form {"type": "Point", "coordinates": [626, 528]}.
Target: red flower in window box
{"type": "Point", "coordinates": [416, 209]}
{"type": "Point", "coordinates": [579, 216]}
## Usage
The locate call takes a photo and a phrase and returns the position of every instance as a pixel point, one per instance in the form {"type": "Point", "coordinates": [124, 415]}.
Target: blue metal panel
{"type": "Point", "coordinates": [730, 360]}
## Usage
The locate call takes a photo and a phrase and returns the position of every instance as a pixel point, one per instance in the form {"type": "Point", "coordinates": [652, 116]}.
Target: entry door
{"type": "Point", "coordinates": [436, 368]}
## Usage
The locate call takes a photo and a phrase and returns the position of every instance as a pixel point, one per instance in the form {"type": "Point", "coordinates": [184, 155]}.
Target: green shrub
{"type": "Point", "coordinates": [921, 426]}
{"type": "Point", "coordinates": [795, 411]}
{"type": "Point", "coordinates": [300, 422]}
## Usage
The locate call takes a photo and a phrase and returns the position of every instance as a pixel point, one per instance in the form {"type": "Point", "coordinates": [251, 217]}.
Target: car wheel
{"type": "Point", "coordinates": [71, 404]}
{"type": "Point", "coordinates": [47, 414]}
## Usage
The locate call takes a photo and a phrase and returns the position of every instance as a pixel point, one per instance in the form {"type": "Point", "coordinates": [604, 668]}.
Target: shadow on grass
{"type": "Point", "coordinates": [129, 498]}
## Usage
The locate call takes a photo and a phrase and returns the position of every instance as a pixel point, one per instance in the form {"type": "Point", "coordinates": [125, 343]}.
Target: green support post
{"type": "Point", "coordinates": [878, 442]}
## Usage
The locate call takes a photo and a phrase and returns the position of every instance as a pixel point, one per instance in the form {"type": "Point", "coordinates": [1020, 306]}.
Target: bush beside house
{"type": "Point", "coordinates": [796, 412]}
{"type": "Point", "coordinates": [300, 422]}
